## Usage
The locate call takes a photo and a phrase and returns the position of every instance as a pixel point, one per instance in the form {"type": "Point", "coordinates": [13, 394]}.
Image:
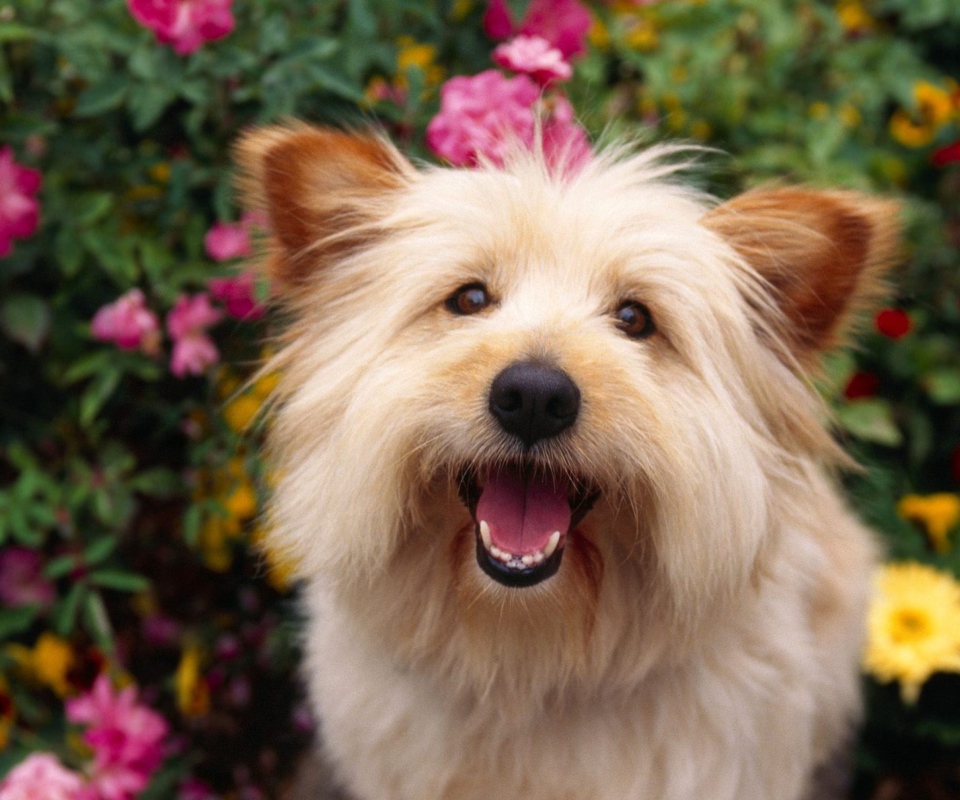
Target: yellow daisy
{"type": "Point", "coordinates": [913, 629]}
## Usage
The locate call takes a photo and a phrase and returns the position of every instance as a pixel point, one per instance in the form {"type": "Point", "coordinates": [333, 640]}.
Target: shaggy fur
{"type": "Point", "coordinates": [702, 635]}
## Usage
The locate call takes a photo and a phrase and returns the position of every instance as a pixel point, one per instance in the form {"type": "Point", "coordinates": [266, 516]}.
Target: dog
{"type": "Point", "coordinates": [551, 465]}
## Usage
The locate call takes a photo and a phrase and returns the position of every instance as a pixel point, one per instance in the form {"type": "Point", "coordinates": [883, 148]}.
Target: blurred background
{"type": "Point", "coordinates": [148, 643]}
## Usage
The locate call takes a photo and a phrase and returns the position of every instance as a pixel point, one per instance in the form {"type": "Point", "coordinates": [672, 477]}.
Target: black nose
{"type": "Point", "coordinates": [534, 402]}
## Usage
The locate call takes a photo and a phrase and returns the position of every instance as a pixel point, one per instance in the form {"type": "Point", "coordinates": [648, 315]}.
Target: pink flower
{"type": "Point", "coordinates": [126, 739]}
{"type": "Point", "coordinates": [226, 241]}
{"type": "Point", "coordinates": [238, 295]}
{"type": "Point", "coordinates": [185, 24]}
{"type": "Point", "coordinates": [19, 209]}
{"type": "Point", "coordinates": [193, 355]}
{"type": "Point", "coordinates": [482, 116]}
{"type": "Point", "coordinates": [193, 350]}
{"type": "Point", "coordinates": [534, 56]}
{"type": "Point", "coordinates": [41, 777]}
{"type": "Point", "coordinates": [563, 23]}
{"type": "Point", "coordinates": [565, 143]}
{"type": "Point", "coordinates": [128, 323]}
{"type": "Point", "coordinates": [21, 580]}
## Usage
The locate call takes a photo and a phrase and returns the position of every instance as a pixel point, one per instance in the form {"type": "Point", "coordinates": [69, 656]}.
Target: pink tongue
{"type": "Point", "coordinates": [523, 512]}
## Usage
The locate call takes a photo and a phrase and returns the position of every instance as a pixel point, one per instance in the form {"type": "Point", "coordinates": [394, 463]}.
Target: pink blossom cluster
{"type": "Point", "coordinates": [486, 116]}
{"type": "Point", "coordinates": [562, 23]}
{"type": "Point", "coordinates": [533, 56]}
{"type": "Point", "coordinates": [41, 776]}
{"type": "Point", "coordinates": [126, 739]}
{"type": "Point", "coordinates": [19, 209]}
{"type": "Point", "coordinates": [187, 323]}
{"type": "Point", "coordinates": [184, 24]}
{"type": "Point", "coordinates": [125, 736]}
{"type": "Point", "coordinates": [224, 242]}
{"type": "Point", "coordinates": [21, 578]}
{"type": "Point", "coordinates": [128, 323]}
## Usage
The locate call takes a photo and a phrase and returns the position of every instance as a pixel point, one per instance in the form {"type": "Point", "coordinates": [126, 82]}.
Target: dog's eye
{"type": "Point", "coordinates": [635, 320]}
{"type": "Point", "coordinates": [469, 299]}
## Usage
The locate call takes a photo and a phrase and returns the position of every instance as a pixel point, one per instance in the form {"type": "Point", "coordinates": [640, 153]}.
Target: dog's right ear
{"type": "Point", "coordinates": [323, 191]}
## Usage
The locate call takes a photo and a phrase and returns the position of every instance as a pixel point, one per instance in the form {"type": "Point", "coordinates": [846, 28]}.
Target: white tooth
{"type": "Point", "coordinates": [506, 557]}
{"type": "Point", "coordinates": [551, 544]}
{"type": "Point", "coordinates": [537, 557]}
{"type": "Point", "coordinates": [527, 560]}
{"type": "Point", "coordinates": [485, 534]}
{"type": "Point", "coordinates": [495, 551]}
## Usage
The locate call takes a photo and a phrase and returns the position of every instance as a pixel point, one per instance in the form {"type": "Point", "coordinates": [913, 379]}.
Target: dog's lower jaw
{"type": "Point", "coordinates": [745, 715]}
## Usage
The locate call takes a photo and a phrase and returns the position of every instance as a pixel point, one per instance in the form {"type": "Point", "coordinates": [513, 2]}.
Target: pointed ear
{"type": "Point", "coordinates": [823, 255]}
{"type": "Point", "coordinates": [323, 191]}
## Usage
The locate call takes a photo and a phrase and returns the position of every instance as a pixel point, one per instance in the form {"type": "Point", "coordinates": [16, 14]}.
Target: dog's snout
{"type": "Point", "coordinates": [533, 401]}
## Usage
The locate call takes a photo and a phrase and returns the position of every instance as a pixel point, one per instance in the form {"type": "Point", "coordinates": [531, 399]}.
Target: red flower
{"type": "Point", "coordinates": [19, 209]}
{"type": "Point", "coordinates": [861, 384]}
{"type": "Point", "coordinates": [893, 323]}
{"type": "Point", "coordinates": [949, 154]}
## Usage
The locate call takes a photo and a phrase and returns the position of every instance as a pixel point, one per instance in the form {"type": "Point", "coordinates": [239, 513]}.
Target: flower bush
{"type": "Point", "coordinates": [148, 648]}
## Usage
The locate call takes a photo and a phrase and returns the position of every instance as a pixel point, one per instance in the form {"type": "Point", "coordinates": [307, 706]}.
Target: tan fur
{"type": "Point", "coordinates": [702, 635]}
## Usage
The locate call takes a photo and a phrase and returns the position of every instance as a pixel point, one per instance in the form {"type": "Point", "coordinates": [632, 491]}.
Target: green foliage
{"type": "Point", "coordinates": [129, 482]}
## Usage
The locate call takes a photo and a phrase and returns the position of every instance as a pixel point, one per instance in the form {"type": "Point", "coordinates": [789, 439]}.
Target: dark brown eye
{"type": "Point", "coordinates": [635, 320]}
{"type": "Point", "coordinates": [469, 299]}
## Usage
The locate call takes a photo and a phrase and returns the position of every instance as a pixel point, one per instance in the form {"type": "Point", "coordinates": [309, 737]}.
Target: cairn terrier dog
{"type": "Point", "coordinates": [551, 466]}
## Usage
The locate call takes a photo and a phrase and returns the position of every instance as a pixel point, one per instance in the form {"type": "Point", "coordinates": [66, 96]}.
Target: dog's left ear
{"type": "Point", "coordinates": [823, 254]}
{"type": "Point", "coordinates": [322, 189]}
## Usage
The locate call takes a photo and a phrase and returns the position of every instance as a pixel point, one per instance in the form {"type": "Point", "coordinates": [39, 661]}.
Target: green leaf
{"type": "Point", "coordinates": [333, 82]}
{"type": "Point", "coordinates": [60, 566]}
{"type": "Point", "coordinates": [100, 549]}
{"type": "Point", "coordinates": [12, 32]}
{"type": "Point", "coordinates": [98, 621]}
{"type": "Point", "coordinates": [17, 620]}
{"type": "Point", "coordinates": [65, 614]}
{"type": "Point", "coordinates": [943, 386]}
{"type": "Point", "coordinates": [97, 393]}
{"type": "Point", "coordinates": [119, 580]}
{"type": "Point", "coordinates": [26, 319]}
{"type": "Point", "coordinates": [870, 420]}
{"type": "Point", "coordinates": [157, 482]}
{"type": "Point", "coordinates": [147, 105]}
{"type": "Point", "coordinates": [103, 96]}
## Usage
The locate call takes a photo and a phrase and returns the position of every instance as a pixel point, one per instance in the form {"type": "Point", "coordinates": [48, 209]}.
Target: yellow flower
{"type": "Point", "coordinates": [854, 17]}
{"type": "Point", "coordinates": [193, 694]}
{"type": "Point", "coordinates": [819, 110]}
{"type": "Point", "coordinates": [701, 130]}
{"type": "Point", "coordinates": [849, 115]}
{"type": "Point", "coordinates": [50, 660]}
{"type": "Point", "coordinates": [265, 386]}
{"type": "Point", "coordinates": [598, 35]}
{"type": "Point", "coordinates": [642, 35]}
{"type": "Point", "coordinates": [241, 411]}
{"type": "Point", "coordinates": [933, 109]}
{"type": "Point", "coordinates": [281, 571]}
{"type": "Point", "coordinates": [241, 503]}
{"type": "Point", "coordinates": [913, 629]}
{"type": "Point", "coordinates": [160, 172]}
{"type": "Point", "coordinates": [938, 514]}
{"type": "Point", "coordinates": [413, 54]}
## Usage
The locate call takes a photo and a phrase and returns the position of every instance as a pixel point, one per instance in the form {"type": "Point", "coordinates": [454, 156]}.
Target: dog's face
{"type": "Point", "coordinates": [502, 386]}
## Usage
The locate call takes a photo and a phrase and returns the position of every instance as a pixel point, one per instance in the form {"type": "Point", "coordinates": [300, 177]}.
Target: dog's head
{"type": "Point", "coordinates": [524, 385]}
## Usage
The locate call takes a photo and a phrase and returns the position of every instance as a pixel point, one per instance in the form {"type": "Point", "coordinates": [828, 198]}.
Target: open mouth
{"type": "Point", "coordinates": [522, 518]}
